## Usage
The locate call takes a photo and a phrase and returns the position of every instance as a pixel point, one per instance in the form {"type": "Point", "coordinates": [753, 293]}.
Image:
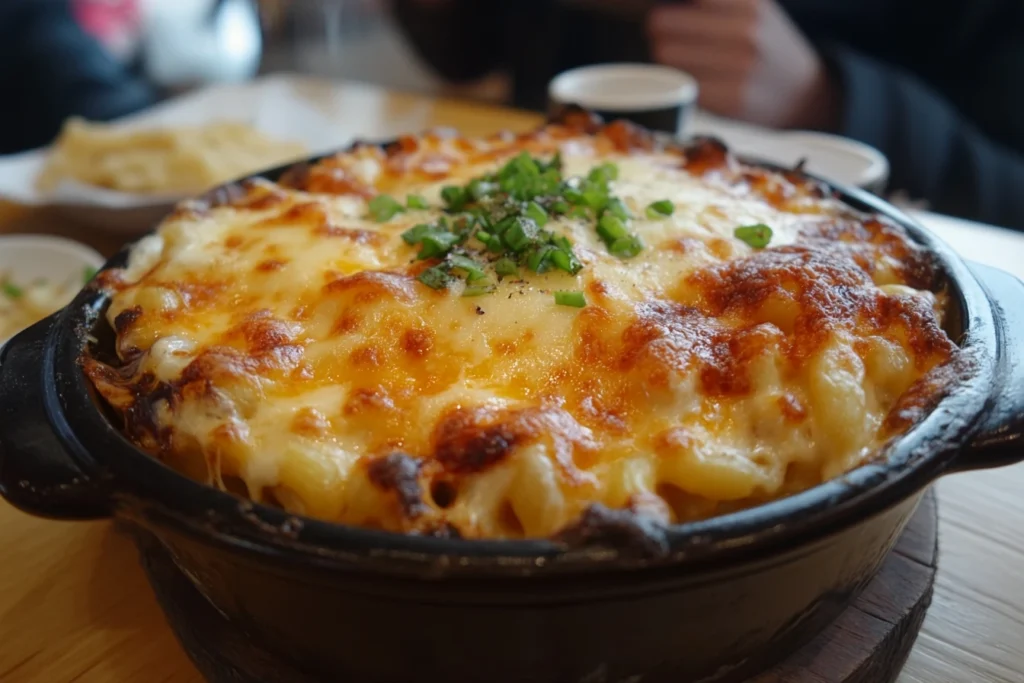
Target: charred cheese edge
{"type": "Point", "coordinates": [278, 345]}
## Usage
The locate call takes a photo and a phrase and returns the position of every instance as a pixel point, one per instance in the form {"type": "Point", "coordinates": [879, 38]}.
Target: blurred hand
{"type": "Point", "coordinates": [751, 60]}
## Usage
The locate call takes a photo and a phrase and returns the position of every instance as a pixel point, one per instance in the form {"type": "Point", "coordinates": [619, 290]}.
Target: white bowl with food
{"type": "Point", "coordinates": [40, 274]}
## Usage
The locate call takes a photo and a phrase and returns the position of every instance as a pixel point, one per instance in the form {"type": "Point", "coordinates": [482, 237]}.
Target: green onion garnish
{"type": "Point", "coordinates": [757, 236]}
{"type": "Point", "coordinates": [474, 271]}
{"type": "Point", "coordinates": [611, 228]}
{"type": "Point", "coordinates": [506, 267]}
{"type": "Point", "coordinates": [574, 299]}
{"type": "Point", "coordinates": [415, 234]}
{"type": "Point", "coordinates": [489, 241]}
{"type": "Point", "coordinates": [564, 259]}
{"type": "Point", "coordinates": [11, 290]}
{"type": "Point", "coordinates": [505, 213]}
{"type": "Point", "coordinates": [660, 209]}
{"type": "Point", "coordinates": [626, 247]}
{"type": "Point", "coordinates": [435, 278]}
{"type": "Point", "coordinates": [539, 258]}
{"type": "Point", "coordinates": [537, 213]}
{"type": "Point", "coordinates": [560, 207]}
{"type": "Point", "coordinates": [595, 198]}
{"type": "Point", "coordinates": [89, 273]}
{"type": "Point", "coordinates": [478, 189]}
{"type": "Point", "coordinates": [479, 289]}
{"type": "Point", "coordinates": [572, 195]}
{"type": "Point", "coordinates": [437, 244]}
{"type": "Point", "coordinates": [384, 207]}
{"type": "Point", "coordinates": [603, 174]}
{"type": "Point", "coordinates": [555, 164]}
{"type": "Point", "coordinates": [454, 197]}
{"type": "Point", "coordinates": [415, 201]}
{"type": "Point", "coordinates": [520, 235]}
{"type": "Point", "coordinates": [618, 208]}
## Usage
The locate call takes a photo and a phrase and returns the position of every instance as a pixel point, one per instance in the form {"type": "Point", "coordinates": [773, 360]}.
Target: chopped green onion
{"type": "Point", "coordinates": [436, 277]}
{"type": "Point", "coordinates": [560, 207]}
{"type": "Point", "coordinates": [505, 213]}
{"type": "Point", "coordinates": [504, 224]}
{"type": "Point", "coordinates": [489, 241]}
{"type": "Point", "coordinates": [611, 228]}
{"type": "Point", "coordinates": [618, 208]}
{"type": "Point", "coordinates": [506, 267]}
{"type": "Point", "coordinates": [565, 260]}
{"type": "Point", "coordinates": [415, 234]}
{"type": "Point", "coordinates": [520, 235]}
{"type": "Point", "coordinates": [626, 247]}
{"type": "Point", "coordinates": [478, 188]}
{"type": "Point", "coordinates": [384, 207]}
{"type": "Point", "coordinates": [454, 197]}
{"type": "Point", "coordinates": [436, 244]}
{"type": "Point", "coordinates": [539, 258]}
{"type": "Point", "coordinates": [521, 164]}
{"type": "Point", "coordinates": [479, 289]}
{"type": "Point", "coordinates": [536, 212]}
{"type": "Point", "coordinates": [660, 209]}
{"type": "Point", "coordinates": [415, 201]}
{"type": "Point", "coordinates": [574, 299]}
{"type": "Point", "coordinates": [596, 199]}
{"type": "Point", "coordinates": [573, 195]}
{"type": "Point", "coordinates": [757, 236]}
{"type": "Point", "coordinates": [11, 290]}
{"type": "Point", "coordinates": [555, 164]}
{"type": "Point", "coordinates": [89, 273]}
{"type": "Point", "coordinates": [603, 174]}
{"type": "Point", "coordinates": [474, 271]}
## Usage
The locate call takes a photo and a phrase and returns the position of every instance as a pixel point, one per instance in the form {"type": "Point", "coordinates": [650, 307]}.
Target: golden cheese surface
{"type": "Point", "coordinates": [278, 344]}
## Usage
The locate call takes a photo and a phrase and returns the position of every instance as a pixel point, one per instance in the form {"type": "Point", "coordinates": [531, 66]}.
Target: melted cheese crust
{"type": "Point", "coordinates": [275, 343]}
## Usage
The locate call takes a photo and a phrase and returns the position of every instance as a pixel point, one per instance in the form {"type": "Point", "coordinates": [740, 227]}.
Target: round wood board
{"type": "Point", "coordinates": [870, 641]}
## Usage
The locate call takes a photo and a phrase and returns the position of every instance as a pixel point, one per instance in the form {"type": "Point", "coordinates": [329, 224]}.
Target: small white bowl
{"type": "Point", "coordinates": [832, 157]}
{"type": "Point", "coordinates": [25, 258]}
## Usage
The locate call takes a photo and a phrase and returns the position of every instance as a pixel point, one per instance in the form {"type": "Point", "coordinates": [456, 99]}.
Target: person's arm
{"type": "Point", "coordinates": [459, 39]}
{"type": "Point", "coordinates": [935, 153]}
{"type": "Point", "coordinates": [56, 70]}
{"type": "Point", "coordinates": [755, 64]}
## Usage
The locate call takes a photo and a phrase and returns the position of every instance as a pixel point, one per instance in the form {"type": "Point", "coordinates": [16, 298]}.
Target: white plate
{"type": "Point", "coordinates": [25, 258]}
{"type": "Point", "coordinates": [314, 112]}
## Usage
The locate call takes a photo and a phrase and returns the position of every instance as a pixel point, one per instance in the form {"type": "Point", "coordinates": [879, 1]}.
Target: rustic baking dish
{"type": "Point", "coordinates": [258, 595]}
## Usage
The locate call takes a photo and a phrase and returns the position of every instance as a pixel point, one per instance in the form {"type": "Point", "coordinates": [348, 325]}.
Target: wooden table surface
{"type": "Point", "coordinates": [74, 605]}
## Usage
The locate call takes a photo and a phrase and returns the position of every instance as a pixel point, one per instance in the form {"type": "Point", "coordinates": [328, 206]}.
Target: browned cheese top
{"type": "Point", "coordinates": [279, 344]}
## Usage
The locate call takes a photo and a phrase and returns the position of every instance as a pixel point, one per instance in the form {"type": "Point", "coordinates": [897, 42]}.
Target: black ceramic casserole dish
{"type": "Point", "coordinates": [257, 594]}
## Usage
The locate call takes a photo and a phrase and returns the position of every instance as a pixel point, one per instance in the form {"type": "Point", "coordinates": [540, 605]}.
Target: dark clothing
{"type": "Point", "coordinates": [936, 85]}
{"type": "Point", "coordinates": [52, 70]}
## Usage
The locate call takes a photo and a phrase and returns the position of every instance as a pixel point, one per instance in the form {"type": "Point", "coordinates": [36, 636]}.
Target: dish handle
{"type": "Point", "coordinates": [39, 471]}
{"type": "Point", "coordinates": [1000, 441]}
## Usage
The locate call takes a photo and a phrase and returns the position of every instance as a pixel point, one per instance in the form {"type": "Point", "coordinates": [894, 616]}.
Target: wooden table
{"type": "Point", "coordinates": [74, 605]}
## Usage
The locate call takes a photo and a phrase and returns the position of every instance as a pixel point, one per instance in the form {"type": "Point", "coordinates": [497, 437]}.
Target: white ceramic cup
{"type": "Point", "coordinates": [653, 96]}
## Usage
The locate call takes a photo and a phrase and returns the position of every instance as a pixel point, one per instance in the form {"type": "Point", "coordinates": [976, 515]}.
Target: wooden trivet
{"type": "Point", "coordinates": [870, 641]}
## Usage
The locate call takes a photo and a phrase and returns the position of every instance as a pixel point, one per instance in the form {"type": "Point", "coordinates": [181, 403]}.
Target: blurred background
{"type": "Point", "coordinates": [937, 92]}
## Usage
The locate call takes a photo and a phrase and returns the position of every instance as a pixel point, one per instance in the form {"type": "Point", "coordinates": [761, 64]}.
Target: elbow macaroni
{"type": "Point", "coordinates": [288, 352]}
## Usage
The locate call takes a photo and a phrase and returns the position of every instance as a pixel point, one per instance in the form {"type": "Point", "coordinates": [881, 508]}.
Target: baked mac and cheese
{"type": "Point", "coordinates": [488, 337]}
